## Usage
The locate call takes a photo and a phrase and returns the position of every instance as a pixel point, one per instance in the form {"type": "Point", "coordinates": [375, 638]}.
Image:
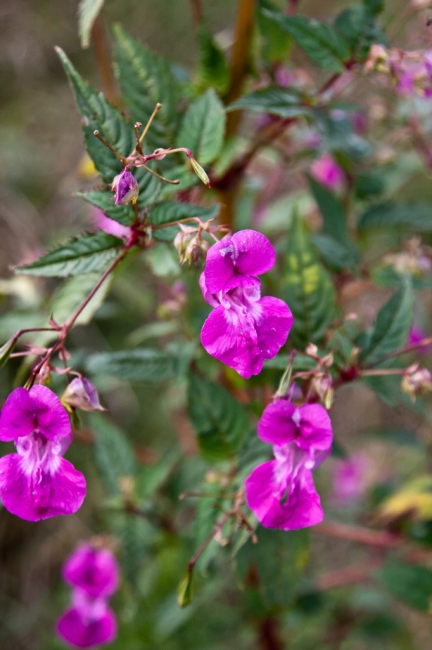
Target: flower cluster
{"type": "Point", "coordinates": [244, 329]}
{"type": "Point", "coordinates": [37, 482]}
{"type": "Point", "coordinates": [410, 72]}
{"type": "Point", "coordinates": [93, 575]}
{"type": "Point", "coordinates": [281, 492]}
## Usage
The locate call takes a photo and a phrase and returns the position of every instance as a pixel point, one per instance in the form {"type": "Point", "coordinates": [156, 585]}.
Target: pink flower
{"type": "Point", "coordinates": [102, 222]}
{"type": "Point", "coordinates": [281, 492]}
{"type": "Point", "coordinates": [244, 329]}
{"type": "Point", "coordinates": [37, 482]}
{"type": "Point", "coordinates": [416, 334]}
{"type": "Point", "coordinates": [88, 623]}
{"type": "Point", "coordinates": [126, 188]}
{"type": "Point", "coordinates": [327, 172]}
{"type": "Point", "coordinates": [349, 479]}
{"type": "Point", "coordinates": [93, 574]}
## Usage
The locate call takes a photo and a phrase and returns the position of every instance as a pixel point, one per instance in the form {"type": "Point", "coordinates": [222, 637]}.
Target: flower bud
{"type": "Point", "coordinates": [416, 381]}
{"type": "Point", "coordinates": [126, 188]}
{"type": "Point", "coordinates": [81, 394]}
{"type": "Point", "coordinates": [199, 171]}
{"type": "Point", "coordinates": [185, 590]}
{"type": "Point", "coordinates": [322, 384]}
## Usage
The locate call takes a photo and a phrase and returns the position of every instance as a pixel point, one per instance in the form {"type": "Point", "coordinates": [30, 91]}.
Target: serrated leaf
{"type": "Point", "coordinates": [278, 560]}
{"type": "Point", "coordinates": [411, 584]}
{"type": "Point", "coordinates": [88, 11]}
{"type": "Point", "coordinates": [392, 325]}
{"type": "Point", "coordinates": [277, 101]}
{"type": "Point", "coordinates": [140, 365]}
{"type": "Point", "coordinates": [169, 211]}
{"type": "Point", "coordinates": [99, 114]}
{"type": "Point", "coordinates": [415, 216]}
{"type": "Point", "coordinates": [146, 79]}
{"type": "Point", "coordinates": [113, 453]}
{"type": "Point", "coordinates": [276, 41]}
{"type": "Point", "coordinates": [71, 294]}
{"type": "Point", "coordinates": [358, 26]}
{"type": "Point", "coordinates": [123, 214]}
{"type": "Point", "coordinates": [213, 70]}
{"type": "Point", "coordinates": [203, 127]}
{"type": "Point", "coordinates": [307, 288]}
{"type": "Point", "coordinates": [321, 42]}
{"type": "Point", "coordinates": [219, 420]}
{"type": "Point", "coordinates": [80, 255]}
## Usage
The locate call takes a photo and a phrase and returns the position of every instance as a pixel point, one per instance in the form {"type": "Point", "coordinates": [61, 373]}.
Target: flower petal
{"type": "Point", "coordinates": [230, 337]}
{"type": "Point", "coordinates": [40, 494]}
{"type": "Point", "coordinates": [81, 633]}
{"type": "Point", "coordinates": [93, 570]}
{"type": "Point", "coordinates": [265, 496]}
{"type": "Point", "coordinates": [17, 416]}
{"type": "Point", "coordinates": [273, 322]}
{"type": "Point", "coordinates": [245, 253]}
{"type": "Point", "coordinates": [315, 430]}
{"type": "Point", "coordinates": [51, 416]}
{"type": "Point", "coordinates": [276, 425]}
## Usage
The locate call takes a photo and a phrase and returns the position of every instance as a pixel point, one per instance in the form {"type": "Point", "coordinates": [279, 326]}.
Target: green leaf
{"type": "Point", "coordinates": [336, 256]}
{"type": "Point", "coordinates": [307, 288]}
{"type": "Point", "coordinates": [213, 70]}
{"type": "Point", "coordinates": [140, 365]}
{"type": "Point", "coordinates": [113, 453]}
{"type": "Point", "coordinates": [146, 79]}
{"type": "Point", "coordinates": [72, 293]}
{"type": "Point", "coordinates": [358, 26]}
{"type": "Point", "coordinates": [321, 42]}
{"type": "Point", "coordinates": [275, 41]}
{"type": "Point", "coordinates": [218, 419]}
{"type": "Point", "coordinates": [80, 255]}
{"type": "Point", "coordinates": [88, 11]}
{"type": "Point", "coordinates": [274, 100]}
{"type": "Point", "coordinates": [374, 6]}
{"type": "Point", "coordinates": [123, 214]}
{"type": "Point", "coordinates": [411, 584]}
{"type": "Point", "coordinates": [332, 211]}
{"type": "Point", "coordinates": [415, 216]}
{"type": "Point", "coordinates": [278, 560]}
{"type": "Point", "coordinates": [99, 114]}
{"type": "Point", "coordinates": [392, 325]}
{"type": "Point", "coordinates": [173, 211]}
{"type": "Point", "coordinates": [203, 127]}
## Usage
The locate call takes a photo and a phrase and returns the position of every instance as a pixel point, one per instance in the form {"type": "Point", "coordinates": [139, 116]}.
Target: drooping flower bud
{"type": "Point", "coordinates": [126, 188]}
{"type": "Point", "coordinates": [81, 394]}
{"type": "Point", "coordinates": [199, 171]}
{"type": "Point", "coordinates": [415, 381]}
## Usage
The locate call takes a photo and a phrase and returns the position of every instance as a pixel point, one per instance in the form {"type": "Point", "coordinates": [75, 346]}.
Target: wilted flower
{"type": "Point", "coordinates": [37, 482]}
{"type": "Point", "coordinates": [415, 381]}
{"type": "Point", "coordinates": [190, 245]}
{"type": "Point", "coordinates": [126, 188]}
{"type": "Point", "coordinates": [281, 492]}
{"type": "Point", "coordinates": [93, 574]}
{"type": "Point", "coordinates": [327, 172]}
{"type": "Point", "coordinates": [244, 329]}
{"type": "Point", "coordinates": [81, 394]}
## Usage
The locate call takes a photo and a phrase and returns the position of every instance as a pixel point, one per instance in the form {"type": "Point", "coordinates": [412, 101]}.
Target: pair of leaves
{"type": "Point", "coordinates": [219, 420]}
{"type": "Point", "coordinates": [307, 288]}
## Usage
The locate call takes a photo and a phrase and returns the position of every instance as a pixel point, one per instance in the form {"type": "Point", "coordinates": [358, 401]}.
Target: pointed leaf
{"type": "Point", "coordinates": [274, 100]}
{"type": "Point", "coordinates": [276, 41]}
{"type": "Point", "coordinates": [220, 421]}
{"type": "Point", "coordinates": [213, 70]}
{"type": "Point", "coordinates": [203, 127]}
{"type": "Point", "coordinates": [80, 255]}
{"type": "Point", "coordinates": [321, 42]}
{"type": "Point", "coordinates": [88, 11]}
{"type": "Point", "coordinates": [307, 288]}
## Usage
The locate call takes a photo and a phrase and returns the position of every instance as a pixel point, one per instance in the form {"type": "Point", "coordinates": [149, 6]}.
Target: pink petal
{"type": "Point", "coordinates": [17, 416]}
{"type": "Point", "coordinates": [315, 429]}
{"type": "Point", "coordinates": [272, 325]}
{"type": "Point", "coordinates": [81, 633]}
{"type": "Point", "coordinates": [245, 253]}
{"type": "Point", "coordinates": [276, 425]}
{"type": "Point", "coordinates": [231, 338]}
{"type": "Point", "coordinates": [51, 416]}
{"type": "Point", "coordinates": [93, 570]}
{"type": "Point", "coordinates": [40, 494]}
{"type": "Point", "coordinates": [266, 497]}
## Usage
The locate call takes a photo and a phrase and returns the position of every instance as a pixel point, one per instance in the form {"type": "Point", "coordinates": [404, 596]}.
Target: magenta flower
{"type": "Point", "coordinates": [37, 482]}
{"type": "Point", "coordinates": [244, 329]}
{"type": "Point", "coordinates": [281, 492]}
{"type": "Point", "coordinates": [93, 574]}
{"type": "Point", "coordinates": [102, 222]}
{"type": "Point", "coordinates": [88, 623]}
{"type": "Point", "coordinates": [93, 570]}
{"type": "Point", "coordinates": [349, 479]}
{"type": "Point", "coordinates": [327, 172]}
{"type": "Point", "coordinates": [125, 186]}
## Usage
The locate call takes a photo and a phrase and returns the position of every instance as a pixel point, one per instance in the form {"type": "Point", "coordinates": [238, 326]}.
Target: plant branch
{"type": "Point", "coordinates": [101, 51]}
{"type": "Point", "coordinates": [212, 535]}
{"type": "Point", "coordinates": [406, 350]}
{"type": "Point", "coordinates": [358, 534]}
{"type": "Point", "coordinates": [348, 576]}
{"type": "Point", "coordinates": [197, 12]}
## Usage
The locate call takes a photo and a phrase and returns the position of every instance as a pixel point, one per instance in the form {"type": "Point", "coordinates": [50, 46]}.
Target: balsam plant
{"type": "Point", "coordinates": [268, 199]}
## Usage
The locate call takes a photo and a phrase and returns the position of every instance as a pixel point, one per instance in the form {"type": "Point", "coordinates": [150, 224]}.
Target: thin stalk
{"type": "Point", "coordinates": [161, 178]}
{"type": "Point", "coordinates": [204, 545]}
{"type": "Point", "coordinates": [107, 144]}
{"type": "Point", "coordinates": [197, 12]}
{"type": "Point", "coordinates": [103, 59]}
{"type": "Point", "coordinates": [406, 350]}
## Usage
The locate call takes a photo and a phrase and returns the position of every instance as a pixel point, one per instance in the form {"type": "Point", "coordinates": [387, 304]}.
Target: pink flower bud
{"type": "Point", "coordinates": [81, 394]}
{"type": "Point", "coordinates": [125, 187]}
{"type": "Point", "coordinates": [416, 381]}
{"type": "Point", "coordinates": [325, 170]}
